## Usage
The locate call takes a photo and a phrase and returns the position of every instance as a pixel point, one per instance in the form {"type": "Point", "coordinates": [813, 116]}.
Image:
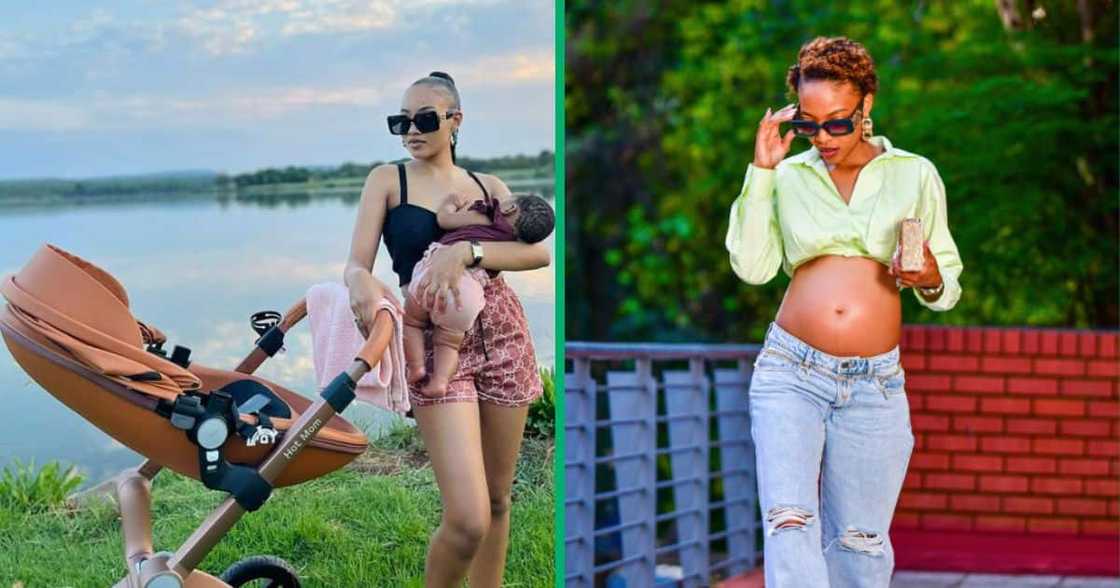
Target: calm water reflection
{"type": "Point", "coordinates": [197, 269]}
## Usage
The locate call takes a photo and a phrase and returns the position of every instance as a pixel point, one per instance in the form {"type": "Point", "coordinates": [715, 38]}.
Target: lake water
{"type": "Point", "coordinates": [196, 269]}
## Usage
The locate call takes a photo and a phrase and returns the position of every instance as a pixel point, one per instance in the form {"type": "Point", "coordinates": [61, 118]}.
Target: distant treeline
{"type": "Point", "coordinates": [541, 164]}
{"type": "Point", "coordinates": [42, 191]}
{"type": "Point", "coordinates": [55, 189]}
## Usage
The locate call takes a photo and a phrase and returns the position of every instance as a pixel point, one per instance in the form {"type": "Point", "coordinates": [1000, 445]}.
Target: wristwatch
{"type": "Point", "coordinates": [476, 253]}
{"type": "Point", "coordinates": [933, 292]}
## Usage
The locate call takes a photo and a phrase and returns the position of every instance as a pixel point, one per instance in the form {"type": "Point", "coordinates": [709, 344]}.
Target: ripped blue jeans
{"type": "Point", "coordinates": [837, 428]}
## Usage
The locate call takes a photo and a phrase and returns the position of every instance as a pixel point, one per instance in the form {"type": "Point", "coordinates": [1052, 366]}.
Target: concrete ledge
{"type": "Point", "coordinates": [751, 579]}
{"type": "Point", "coordinates": [1006, 553]}
{"type": "Point", "coordinates": [959, 580]}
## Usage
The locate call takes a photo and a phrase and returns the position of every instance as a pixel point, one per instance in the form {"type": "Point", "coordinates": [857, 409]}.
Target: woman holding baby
{"type": "Point", "coordinates": [471, 422]}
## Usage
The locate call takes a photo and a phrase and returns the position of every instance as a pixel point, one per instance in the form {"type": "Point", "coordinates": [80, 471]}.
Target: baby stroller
{"type": "Point", "coordinates": [68, 325]}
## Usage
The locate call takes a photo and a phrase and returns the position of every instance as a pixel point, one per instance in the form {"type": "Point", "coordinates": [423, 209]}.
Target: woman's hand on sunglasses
{"type": "Point", "coordinates": [770, 147]}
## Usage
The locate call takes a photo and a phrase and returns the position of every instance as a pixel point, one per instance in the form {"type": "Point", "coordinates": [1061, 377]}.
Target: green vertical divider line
{"type": "Point", "coordinates": [558, 371]}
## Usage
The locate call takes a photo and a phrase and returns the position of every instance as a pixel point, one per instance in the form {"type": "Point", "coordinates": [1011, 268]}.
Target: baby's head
{"type": "Point", "coordinates": [531, 216]}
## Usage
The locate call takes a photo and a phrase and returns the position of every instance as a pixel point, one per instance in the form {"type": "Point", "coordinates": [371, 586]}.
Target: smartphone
{"type": "Point", "coordinates": [911, 241]}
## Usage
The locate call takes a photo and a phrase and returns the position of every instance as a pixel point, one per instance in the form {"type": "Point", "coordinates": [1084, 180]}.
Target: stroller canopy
{"type": "Point", "coordinates": [84, 312]}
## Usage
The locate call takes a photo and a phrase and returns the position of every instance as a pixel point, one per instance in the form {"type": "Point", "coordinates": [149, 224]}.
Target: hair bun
{"type": "Point", "coordinates": [441, 74]}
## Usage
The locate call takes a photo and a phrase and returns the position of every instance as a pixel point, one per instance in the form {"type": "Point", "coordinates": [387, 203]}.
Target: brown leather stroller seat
{"type": "Point", "coordinates": [68, 325]}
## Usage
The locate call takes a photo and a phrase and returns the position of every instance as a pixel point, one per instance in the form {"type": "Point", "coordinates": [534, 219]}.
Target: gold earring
{"type": "Point", "coordinates": [867, 128]}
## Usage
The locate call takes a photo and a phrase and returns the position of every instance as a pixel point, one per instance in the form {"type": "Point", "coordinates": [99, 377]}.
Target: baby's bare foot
{"type": "Point", "coordinates": [435, 388]}
{"type": "Point", "coordinates": [415, 373]}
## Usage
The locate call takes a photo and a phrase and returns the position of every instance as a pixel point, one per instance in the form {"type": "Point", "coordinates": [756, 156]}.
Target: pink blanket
{"type": "Point", "coordinates": [335, 340]}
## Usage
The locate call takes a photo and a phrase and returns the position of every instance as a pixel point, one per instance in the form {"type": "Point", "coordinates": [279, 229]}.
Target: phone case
{"type": "Point", "coordinates": [911, 242]}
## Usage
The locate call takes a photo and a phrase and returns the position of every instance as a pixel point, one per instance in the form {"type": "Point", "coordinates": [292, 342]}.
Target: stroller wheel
{"type": "Point", "coordinates": [263, 571]}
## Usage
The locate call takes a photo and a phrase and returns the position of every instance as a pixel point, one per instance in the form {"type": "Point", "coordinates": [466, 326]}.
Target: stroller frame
{"type": "Point", "coordinates": [131, 488]}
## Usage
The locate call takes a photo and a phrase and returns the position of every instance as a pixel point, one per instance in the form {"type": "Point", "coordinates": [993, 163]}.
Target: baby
{"type": "Point", "coordinates": [519, 217]}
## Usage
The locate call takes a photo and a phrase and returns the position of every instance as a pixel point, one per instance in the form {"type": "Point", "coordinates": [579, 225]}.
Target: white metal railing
{"type": "Point", "coordinates": [659, 465]}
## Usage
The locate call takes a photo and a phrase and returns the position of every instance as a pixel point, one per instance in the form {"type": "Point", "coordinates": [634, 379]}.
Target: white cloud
{"type": "Point", "coordinates": [284, 100]}
{"type": "Point", "coordinates": [98, 36]}
{"type": "Point", "coordinates": [20, 114]}
{"type": "Point", "coordinates": [237, 26]}
{"type": "Point", "coordinates": [244, 106]}
{"type": "Point", "coordinates": [229, 342]}
{"type": "Point", "coordinates": [229, 27]}
{"type": "Point", "coordinates": [219, 32]}
{"type": "Point", "coordinates": [227, 345]}
{"type": "Point", "coordinates": [216, 269]}
{"type": "Point", "coordinates": [160, 112]}
{"type": "Point", "coordinates": [534, 66]}
{"type": "Point", "coordinates": [12, 48]}
{"type": "Point", "coordinates": [90, 26]}
{"type": "Point", "coordinates": [340, 17]}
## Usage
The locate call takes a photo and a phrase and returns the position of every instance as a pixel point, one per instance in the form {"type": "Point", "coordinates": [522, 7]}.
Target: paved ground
{"type": "Point", "coordinates": [960, 580]}
{"type": "Point", "coordinates": [951, 580]}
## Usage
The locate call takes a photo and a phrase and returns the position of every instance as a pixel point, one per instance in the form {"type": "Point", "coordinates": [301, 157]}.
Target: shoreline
{"type": "Point", "coordinates": [264, 192]}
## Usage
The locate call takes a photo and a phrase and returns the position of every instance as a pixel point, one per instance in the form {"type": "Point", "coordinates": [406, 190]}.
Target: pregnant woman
{"type": "Point", "coordinates": [473, 433]}
{"type": "Point", "coordinates": [827, 398]}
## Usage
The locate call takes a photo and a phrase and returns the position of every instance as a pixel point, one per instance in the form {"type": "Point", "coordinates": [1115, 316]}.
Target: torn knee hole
{"type": "Point", "coordinates": [866, 542]}
{"type": "Point", "coordinates": [788, 517]}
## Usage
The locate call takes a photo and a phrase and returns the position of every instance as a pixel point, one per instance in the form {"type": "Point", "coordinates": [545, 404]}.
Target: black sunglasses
{"type": "Point", "coordinates": [425, 122]}
{"type": "Point", "coordinates": [837, 127]}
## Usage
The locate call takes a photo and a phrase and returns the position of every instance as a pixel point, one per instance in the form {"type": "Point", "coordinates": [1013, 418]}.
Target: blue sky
{"type": "Point", "coordinates": [139, 86]}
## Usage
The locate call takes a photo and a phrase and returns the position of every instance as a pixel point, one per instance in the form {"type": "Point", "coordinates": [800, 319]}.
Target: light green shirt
{"type": "Point", "coordinates": [793, 213]}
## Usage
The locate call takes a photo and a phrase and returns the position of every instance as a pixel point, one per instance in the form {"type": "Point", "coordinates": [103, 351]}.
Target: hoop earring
{"type": "Point", "coordinates": [867, 125]}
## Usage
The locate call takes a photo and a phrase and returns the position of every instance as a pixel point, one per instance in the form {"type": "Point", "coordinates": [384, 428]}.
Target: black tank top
{"type": "Point", "coordinates": [409, 229]}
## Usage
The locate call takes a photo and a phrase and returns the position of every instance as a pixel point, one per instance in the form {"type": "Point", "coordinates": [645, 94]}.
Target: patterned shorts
{"type": "Point", "coordinates": [497, 363]}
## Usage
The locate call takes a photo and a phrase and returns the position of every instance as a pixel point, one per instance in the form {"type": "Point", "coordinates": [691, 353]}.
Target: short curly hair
{"type": "Point", "coordinates": [536, 218]}
{"type": "Point", "coordinates": [834, 58]}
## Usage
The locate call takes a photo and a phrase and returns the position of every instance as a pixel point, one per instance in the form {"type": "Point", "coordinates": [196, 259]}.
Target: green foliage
{"type": "Point", "coordinates": [661, 124]}
{"type": "Point", "coordinates": [70, 191]}
{"type": "Point", "coordinates": [25, 488]}
{"type": "Point", "coordinates": [532, 172]}
{"type": "Point", "coordinates": [401, 436]}
{"type": "Point", "coordinates": [541, 165]}
{"type": "Point", "coordinates": [541, 421]}
{"type": "Point", "coordinates": [287, 175]}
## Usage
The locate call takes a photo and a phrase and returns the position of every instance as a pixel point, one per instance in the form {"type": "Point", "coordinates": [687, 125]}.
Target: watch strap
{"type": "Point", "coordinates": [476, 252]}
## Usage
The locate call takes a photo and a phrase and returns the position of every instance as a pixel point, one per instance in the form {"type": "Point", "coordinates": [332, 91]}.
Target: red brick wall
{"type": "Point", "coordinates": [1017, 430]}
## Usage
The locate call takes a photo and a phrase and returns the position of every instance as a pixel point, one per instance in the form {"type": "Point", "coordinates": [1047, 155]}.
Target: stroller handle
{"type": "Point", "coordinates": [374, 348]}
{"type": "Point", "coordinates": [335, 397]}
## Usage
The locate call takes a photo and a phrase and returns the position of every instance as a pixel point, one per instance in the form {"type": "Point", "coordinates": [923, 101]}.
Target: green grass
{"type": "Point", "coordinates": [349, 528]}
{"type": "Point", "coordinates": [25, 487]}
{"type": "Point", "coordinates": [541, 420]}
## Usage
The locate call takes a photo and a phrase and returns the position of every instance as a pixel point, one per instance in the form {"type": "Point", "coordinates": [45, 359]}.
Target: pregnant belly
{"type": "Point", "coordinates": [843, 306]}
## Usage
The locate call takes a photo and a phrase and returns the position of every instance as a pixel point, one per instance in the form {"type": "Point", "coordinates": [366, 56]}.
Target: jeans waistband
{"type": "Point", "coordinates": [881, 364]}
